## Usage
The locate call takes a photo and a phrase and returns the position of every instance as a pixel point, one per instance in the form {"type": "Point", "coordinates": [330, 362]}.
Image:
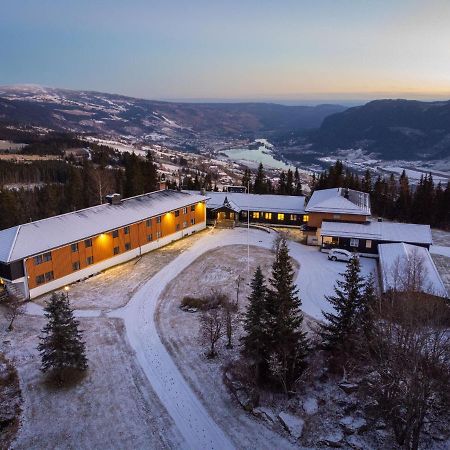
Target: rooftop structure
{"type": "Point", "coordinates": [339, 201]}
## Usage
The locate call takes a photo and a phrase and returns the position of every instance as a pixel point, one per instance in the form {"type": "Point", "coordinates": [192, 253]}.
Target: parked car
{"type": "Point", "coordinates": [339, 254]}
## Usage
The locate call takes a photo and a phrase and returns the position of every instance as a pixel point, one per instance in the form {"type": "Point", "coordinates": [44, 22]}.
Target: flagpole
{"type": "Point", "coordinates": [248, 229]}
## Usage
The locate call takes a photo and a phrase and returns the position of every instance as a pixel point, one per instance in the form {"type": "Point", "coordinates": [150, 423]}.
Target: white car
{"type": "Point", "coordinates": [339, 254]}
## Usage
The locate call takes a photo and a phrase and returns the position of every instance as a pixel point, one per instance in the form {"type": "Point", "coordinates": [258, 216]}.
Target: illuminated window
{"type": "Point", "coordinates": [126, 230]}
{"type": "Point", "coordinates": [127, 246]}
{"type": "Point", "coordinates": [116, 250]}
{"type": "Point", "coordinates": [336, 216]}
{"type": "Point", "coordinates": [354, 242]}
{"type": "Point", "coordinates": [89, 260]}
{"type": "Point", "coordinates": [88, 243]}
{"type": "Point", "coordinates": [76, 266]}
{"type": "Point", "coordinates": [268, 216]}
{"type": "Point", "coordinates": [280, 216]}
{"type": "Point", "coordinates": [115, 233]}
{"type": "Point", "coordinates": [192, 208]}
{"type": "Point", "coordinates": [305, 218]}
{"type": "Point", "coordinates": [255, 215]}
{"type": "Point", "coordinates": [74, 248]}
{"type": "Point", "coordinates": [293, 217]}
{"type": "Point", "coordinates": [368, 243]}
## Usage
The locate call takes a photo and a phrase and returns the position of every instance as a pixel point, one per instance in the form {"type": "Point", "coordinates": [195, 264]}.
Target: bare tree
{"type": "Point", "coordinates": [410, 349]}
{"type": "Point", "coordinates": [230, 312]}
{"type": "Point", "coordinates": [14, 309]}
{"type": "Point", "coordinates": [211, 329]}
{"type": "Point", "coordinates": [239, 280]}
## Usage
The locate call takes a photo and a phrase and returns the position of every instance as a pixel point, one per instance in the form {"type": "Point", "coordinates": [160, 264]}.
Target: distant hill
{"type": "Point", "coordinates": [393, 129]}
{"type": "Point", "coordinates": [109, 114]}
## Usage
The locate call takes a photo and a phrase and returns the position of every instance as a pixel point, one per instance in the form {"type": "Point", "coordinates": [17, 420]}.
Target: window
{"type": "Point", "coordinates": [178, 226]}
{"type": "Point", "coordinates": [185, 210]}
{"type": "Point", "coordinates": [116, 250]}
{"type": "Point", "coordinates": [127, 246]}
{"type": "Point", "coordinates": [192, 208]}
{"type": "Point", "coordinates": [148, 222]}
{"type": "Point", "coordinates": [76, 266]}
{"type": "Point", "coordinates": [368, 243]}
{"type": "Point", "coordinates": [89, 260]}
{"type": "Point", "coordinates": [177, 212]}
{"type": "Point", "coordinates": [281, 216]}
{"type": "Point", "coordinates": [354, 242]}
{"type": "Point", "coordinates": [192, 221]}
{"type": "Point", "coordinates": [305, 218]}
{"type": "Point", "coordinates": [115, 233]}
{"type": "Point", "coordinates": [158, 219]}
{"type": "Point", "coordinates": [255, 215]}
{"type": "Point", "coordinates": [158, 234]}
{"type": "Point", "coordinates": [293, 217]}
{"type": "Point", "coordinates": [185, 224]}
{"type": "Point", "coordinates": [268, 216]}
{"type": "Point", "coordinates": [88, 243]}
{"type": "Point", "coordinates": [244, 214]}
{"type": "Point", "coordinates": [336, 216]}
{"type": "Point", "coordinates": [49, 276]}
{"type": "Point", "coordinates": [74, 248]}
{"type": "Point", "coordinates": [126, 230]}
{"type": "Point", "coordinates": [40, 279]}
{"type": "Point", "coordinates": [39, 259]}
{"type": "Point", "coordinates": [149, 237]}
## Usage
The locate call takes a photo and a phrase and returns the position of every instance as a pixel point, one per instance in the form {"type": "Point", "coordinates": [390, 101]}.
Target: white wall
{"type": "Point", "coordinates": [114, 261]}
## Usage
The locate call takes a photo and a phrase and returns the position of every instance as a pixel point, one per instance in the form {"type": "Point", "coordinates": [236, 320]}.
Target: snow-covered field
{"type": "Point", "coordinates": [117, 405]}
{"type": "Point", "coordinates": [113, 407]}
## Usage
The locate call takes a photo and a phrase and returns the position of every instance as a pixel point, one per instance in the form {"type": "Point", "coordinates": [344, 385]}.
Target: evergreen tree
{"type": "Point", "coordinates": [289, 182]}
{"type": "Point", "coordinates": [288, 344]}
{"type": "Point", "coordinates": [367, 306]}
{"type": "Point", "coordinates": [260, 186]}
{"type": "Point", "coordinates": [254, 340]}
{"type": "Point", "coordinates": [298, 184]}
{"type": "Point", "coordinates": [61, 345]}
{"type": "Point", "coordinates": [340, 324]}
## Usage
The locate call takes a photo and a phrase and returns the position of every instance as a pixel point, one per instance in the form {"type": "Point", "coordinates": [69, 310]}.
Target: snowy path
{"type": "Point", "coordinates": [316, 278]}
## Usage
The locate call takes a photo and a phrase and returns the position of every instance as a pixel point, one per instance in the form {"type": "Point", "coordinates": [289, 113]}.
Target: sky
{"type": "Point", "coordinates": [288, 50]}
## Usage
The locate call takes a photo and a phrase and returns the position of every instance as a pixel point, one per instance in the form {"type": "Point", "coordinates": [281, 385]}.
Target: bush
{"type": "Point", "coordinates": [192, 302]}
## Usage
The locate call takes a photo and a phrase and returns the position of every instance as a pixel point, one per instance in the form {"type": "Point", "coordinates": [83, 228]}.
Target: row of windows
{"type": "Point", "coordinates": [355, 243]}
{"type": "Point", "coordinates": [39, 259]}
{"type": "Point", "coordinates": [280, 216]}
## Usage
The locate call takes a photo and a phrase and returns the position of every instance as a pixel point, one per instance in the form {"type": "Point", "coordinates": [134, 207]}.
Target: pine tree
{"type": "Point", "coordinates": [339, 325]}
{"type": "Point", "coordinates": [61, 345]}
{"type": "Point", "coordinates": [367, 306]}
{"type": "Point", "coordinates": [254, 341]}
{"type": "Point", "coordinates": [260, 186]}
{"type": "Point", "coordinates": [288, 343]}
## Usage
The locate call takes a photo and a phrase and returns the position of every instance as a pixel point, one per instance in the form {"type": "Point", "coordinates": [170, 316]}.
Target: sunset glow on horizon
{"type": "Point", "coordinates": [251, 49]}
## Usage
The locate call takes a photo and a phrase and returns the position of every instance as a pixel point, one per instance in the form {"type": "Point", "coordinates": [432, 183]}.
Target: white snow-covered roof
{"type": "Point", "coordinates": [339, 201]}
{"type": "Point", "coordinates": [380, 231]}
{"type": "Point", "coordinates": [397, 262]}
{"type": "Point", "coordinates": [37, 237]}
{"type": "Point", "coordinates": [290, 204]}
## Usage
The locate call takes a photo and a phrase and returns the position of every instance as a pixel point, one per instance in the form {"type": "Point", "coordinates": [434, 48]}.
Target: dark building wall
{"type": "Point", "coordinates": [11, 271]}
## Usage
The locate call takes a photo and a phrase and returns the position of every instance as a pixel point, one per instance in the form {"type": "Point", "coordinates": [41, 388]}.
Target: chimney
{"type": "Point", "coordinates": [162, 183]}
{"type": "Point", "coordinates": [202, 191]}
{"type": "Point", "coordinates": [114, 199]}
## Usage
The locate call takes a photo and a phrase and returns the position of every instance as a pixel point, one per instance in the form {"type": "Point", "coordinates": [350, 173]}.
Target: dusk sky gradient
{"type": "Point", "coordinates": [247, 49]}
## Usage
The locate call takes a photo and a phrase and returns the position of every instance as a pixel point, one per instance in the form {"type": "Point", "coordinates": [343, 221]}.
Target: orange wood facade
{"type": "Point", "coordinates": [315, 219]}
{"type": "Point", "coordinates": [103, 245]}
